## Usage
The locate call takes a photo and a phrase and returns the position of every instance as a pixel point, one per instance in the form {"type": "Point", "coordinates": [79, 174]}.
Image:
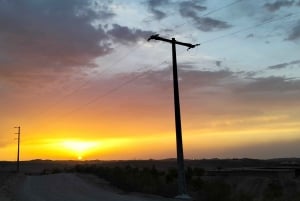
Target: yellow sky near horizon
{"type": "Point", "coordinates": [223, 138]}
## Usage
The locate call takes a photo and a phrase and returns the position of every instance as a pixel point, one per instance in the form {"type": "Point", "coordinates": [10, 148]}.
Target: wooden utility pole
{"type": "Point", "coordinates": [182, 190]}
{"type": "Point", "coordinates": [18, 155]}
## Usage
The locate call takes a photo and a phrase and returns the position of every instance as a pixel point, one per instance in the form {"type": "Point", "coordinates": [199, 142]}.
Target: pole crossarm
{"type": "Point", "coordinates": [157, 37]}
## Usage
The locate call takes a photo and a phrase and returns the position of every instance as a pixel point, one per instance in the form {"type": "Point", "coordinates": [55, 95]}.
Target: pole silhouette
{"type": "Point", "coordinates": [182, 189]}
{"type": "Point", "coordinates": [18, 154]}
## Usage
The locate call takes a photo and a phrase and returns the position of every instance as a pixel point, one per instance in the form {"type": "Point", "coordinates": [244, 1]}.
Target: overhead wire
{"type": "Point", "coordinates": [86, 82]}
{"type": "Point", "coordinates": [270, 20]}
{"type": "Point", "coordinates": [131, 80]}
{"type": "Point", "coordinates": [222, 7]}
{"type": "Point", "coordinates": [116, 88]}
{"type": "Point", "coordinates": [63, 98]}
{"type": "Point", "coordinates": [210, 12]}
{"type": "Point", "coordinates": [145, 71]}
{"type": "Point", "coordinates": [113, 90]}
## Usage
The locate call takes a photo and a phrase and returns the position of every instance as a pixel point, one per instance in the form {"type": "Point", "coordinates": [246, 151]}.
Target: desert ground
{"type": "Point", "coordinates": [232, 179]}
{"type": "Point", "coordinates": [62, 187]}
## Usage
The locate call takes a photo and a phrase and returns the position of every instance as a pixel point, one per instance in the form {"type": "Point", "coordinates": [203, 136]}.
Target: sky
{"type": "Point", "coordinates": [82, 81]}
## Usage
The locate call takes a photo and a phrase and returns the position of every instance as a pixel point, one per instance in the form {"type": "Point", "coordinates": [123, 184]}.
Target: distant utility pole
{"type": "Point", "coordinates": [182, 190]}
{"type": "Point", "coordinates": [18, 156]}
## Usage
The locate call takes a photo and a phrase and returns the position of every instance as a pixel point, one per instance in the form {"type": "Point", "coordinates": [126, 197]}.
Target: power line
{"type": "Point", "coordinates": [118, 87]}
{"type": "Point", "coordinates": [111, 91]}
{"type": "Point", "coordinates": [134, 49]}
{"type": "Point", "coordinates": [270, 20]}
{"type": "Point", "coordinates": [210, 12]}
{"type": "Point", "coordinates": [273, 19]}
{"type": "Point", "coordinates": [222, 7]}
{"type": "Point", "coordinates": [134, 78]}
{"type": "Point", "coordinates": [63, 98]}
{"type": "Point", "coordinates": [115, 89]}
{"type": "Point", "coordinates": [86, 82]}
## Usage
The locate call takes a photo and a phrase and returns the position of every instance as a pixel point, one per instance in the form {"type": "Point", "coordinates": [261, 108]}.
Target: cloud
{"type": "Point", "coordinates": [42, 41]}
{"type": "Point", "coordinates": [272, 7]}
{"type": "Point", "coordinates": [283, 65]}
{"type": "Point", "coordinates": [190, 9]}
{"type": "Point", "coordinates": [125, 35]}
{"type": "Point", "coordinates": [250, 35]}
{"type": "Point", "coordinates": [236, 83]}
{"type": "Point", "coordinates": [210, 24]}
{"type": "Point", "coordinates": [190, 78]}
{"type": "Point", "coordinates": [46, 35]}
{"type": "Point", "coordinates": [153, 7]}
{"type": "Point", "coordinates": [295, 33]}
{"type": "Point", "coordinates": [218, 63]}
{"type": "Point", "coordinates": [271, 84]}
{"type": "Point", "coordinates": [262, 91]}
{"type": "Point", "coordinates": [218, 99]}
{"type": "Point", "coordinates": [196, 78]}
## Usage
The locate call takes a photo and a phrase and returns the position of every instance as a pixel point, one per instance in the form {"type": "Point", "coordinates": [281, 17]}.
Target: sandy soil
{"type": "Point", "coordinates": [71, 187]}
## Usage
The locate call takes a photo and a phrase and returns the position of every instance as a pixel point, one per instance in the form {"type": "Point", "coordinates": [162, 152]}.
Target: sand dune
{"type": "Point", "coordinates": [71, 187]}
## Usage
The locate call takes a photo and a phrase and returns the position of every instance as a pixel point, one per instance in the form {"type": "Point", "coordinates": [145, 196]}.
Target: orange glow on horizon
{"type": "Point", "coordinates": [209, 140]}
{"type": "Point", "coordinates": [80, 147]}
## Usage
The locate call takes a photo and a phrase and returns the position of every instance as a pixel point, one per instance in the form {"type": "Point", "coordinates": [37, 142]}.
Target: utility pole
{"type": "Point", "coordinates": [18, 155]}
{"type": "Point", "coordinates": [182, 190]}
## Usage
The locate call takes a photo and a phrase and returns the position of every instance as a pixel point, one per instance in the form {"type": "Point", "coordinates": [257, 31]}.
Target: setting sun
{"type": "Point", "coordinates": [80, 148]}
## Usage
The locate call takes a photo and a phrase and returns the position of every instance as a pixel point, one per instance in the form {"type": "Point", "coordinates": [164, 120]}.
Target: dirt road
{"type": "Point", "coordinates": [70, 187]}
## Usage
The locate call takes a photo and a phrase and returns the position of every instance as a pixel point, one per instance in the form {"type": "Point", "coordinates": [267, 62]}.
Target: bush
{"type": "Point", "coordinates": [274, 191]}
{"type": "Point", "coordinates": [216, 191]}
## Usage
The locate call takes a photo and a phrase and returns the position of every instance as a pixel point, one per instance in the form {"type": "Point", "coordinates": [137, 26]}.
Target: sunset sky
{"type": "Point", "coordinates": [82, 81]}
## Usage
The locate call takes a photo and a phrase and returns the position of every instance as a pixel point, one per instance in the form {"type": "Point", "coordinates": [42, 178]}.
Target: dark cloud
{"type": "Point", "coordinates": [154, 5]}
{"type": "Point", "coordinates": [248, 74]}
{"type": "Point", "coordinates": [212, 96]}
{"type": "Point", "coordinates": [190, 9]}
{"type": "Point", "coordinates": [191, 77]}
{"type": "Point", "coordinates": [198, 78]}
{"type": "Point", "coordinates": [49, 34]}
{"type": "Point", "coordinates": [168, 30]}
{"type": "Point", "coordinates": [278, 4]}
{"type": "Point", "coordinates": [196, 83]}
{"type": "Point", "coordinates": [206, 96]}
{"type": "Point", "coordinates": [125, 35]}
{"type": "Point", "coordinates": [295, 33]}
{"type": "Point", "coordinates": [283, 65]}
{"type": "Point", "coordinates": [278, 66]}
{"type": "Point", "coordinates": [43, 39]}
{"type": "Point", "coordinates": [210, 24]}
{"type": "Point", "coordinates": [250, 35]}
{"type": "Point", "coordinates": [192, 81]}
{"type": "Point", "coordinates": [276, 85]}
